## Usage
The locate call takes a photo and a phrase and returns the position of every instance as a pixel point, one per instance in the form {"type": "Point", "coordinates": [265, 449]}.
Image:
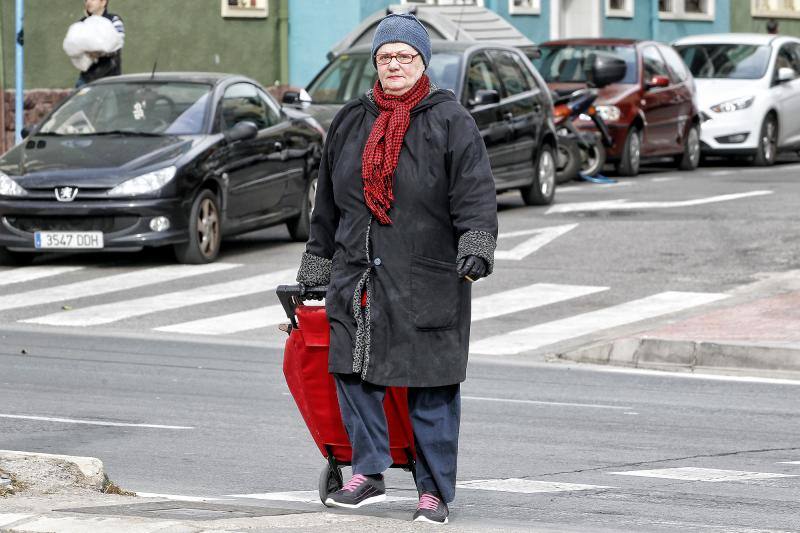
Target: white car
{"type": "Point", "coordinates": [748, 92]}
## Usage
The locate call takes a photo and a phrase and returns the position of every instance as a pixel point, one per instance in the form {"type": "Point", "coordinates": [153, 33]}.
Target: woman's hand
{"type": "Point", "coordinates": [471, 267]}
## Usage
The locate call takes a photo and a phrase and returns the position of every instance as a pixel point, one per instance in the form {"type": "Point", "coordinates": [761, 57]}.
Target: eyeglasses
{"type": "Point", "coordinates": [403, 58]}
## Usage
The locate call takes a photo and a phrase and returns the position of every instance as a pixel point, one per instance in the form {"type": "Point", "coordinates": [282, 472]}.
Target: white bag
{"type": "Point", "coordinates": [96, 35]}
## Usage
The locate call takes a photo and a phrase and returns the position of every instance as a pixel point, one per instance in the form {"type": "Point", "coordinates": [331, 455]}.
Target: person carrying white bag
{"type": "Point", "coordinates": [94, 44]}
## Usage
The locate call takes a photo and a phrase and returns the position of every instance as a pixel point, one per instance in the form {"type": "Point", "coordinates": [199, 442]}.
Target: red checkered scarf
{"type": "Point", "coordinates": [382, 151]}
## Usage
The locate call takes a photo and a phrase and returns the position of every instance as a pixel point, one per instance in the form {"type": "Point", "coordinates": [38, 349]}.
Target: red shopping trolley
{"type": "Point", "coordinates": [305, 366]}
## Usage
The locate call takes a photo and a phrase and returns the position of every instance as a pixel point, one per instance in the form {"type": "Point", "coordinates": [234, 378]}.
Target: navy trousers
{"type": "Point", "coordinates": [435, 416]}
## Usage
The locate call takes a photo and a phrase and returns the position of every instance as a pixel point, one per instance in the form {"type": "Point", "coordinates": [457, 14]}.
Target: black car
{"type": "Point", "coordinates": [508, 99]}
{"type": "Point", "coordinates": [180, 159]}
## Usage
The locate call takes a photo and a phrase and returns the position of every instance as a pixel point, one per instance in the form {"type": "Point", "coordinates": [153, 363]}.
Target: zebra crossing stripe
{"type": "Point", "coordinates": [20, 275]}
{"type": "Point", "coordinates": [108, 284]}
{"type": "Point", "coordinates": [113, 312]}
{"type": "Point", "coordinates": [525, 486]}
{"type": "Point", "coordinates": [233, 323]}
{"type": "Point", "coordinates": [523, 298]}
{"type": "Point", "coordinates": [485, 307]}
{"type": "Point", "coordinates": [533, 337]}
{"type": "Point", "coordinates": [711, 475]}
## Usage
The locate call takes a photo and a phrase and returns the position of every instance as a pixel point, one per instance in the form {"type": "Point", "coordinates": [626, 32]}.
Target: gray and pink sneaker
{"type": "Point", "coordinates": [431, 509]}
{"type": "Point", "coordinates": [359, 491]}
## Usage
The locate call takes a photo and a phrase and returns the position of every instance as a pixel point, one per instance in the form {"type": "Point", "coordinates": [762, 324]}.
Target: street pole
{"type": "Point", "coordinates": [19, 70]}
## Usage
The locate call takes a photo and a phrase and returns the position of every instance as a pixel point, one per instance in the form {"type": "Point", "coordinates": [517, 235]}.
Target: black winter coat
{"type": "Point", "coordinates": [414, 330]}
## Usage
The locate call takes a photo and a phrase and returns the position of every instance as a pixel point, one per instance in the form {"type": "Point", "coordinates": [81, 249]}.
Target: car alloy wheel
{"type": "Point", "coordinates": [542, 190]}
{"type": "Point", "coordinates": [690, 158]}
{"type": "Point", "coordinates": [300, 226]}
{"type": "Point", "coordinates": [208, 228]}
{"type": "Point", "coordinates": [767, 142]}
{"type": "Point", "coordinates": [631, 154]}
{"type": "Point", "coordinates": [204, 232]}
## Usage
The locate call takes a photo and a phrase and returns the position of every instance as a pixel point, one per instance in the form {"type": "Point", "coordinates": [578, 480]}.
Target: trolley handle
{"type": "Point", "coordinates": [291, 296]}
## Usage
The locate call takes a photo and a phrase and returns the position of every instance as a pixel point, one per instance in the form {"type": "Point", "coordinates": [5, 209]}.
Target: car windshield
{"type": "Point", "coordinates": [728, 61]}
{"type": "Point", "coordinates": [566, 64]}
{"type": "Point", "coordinates": [351, 75]}
{"type": "Point", "coordinates": [140, 108]}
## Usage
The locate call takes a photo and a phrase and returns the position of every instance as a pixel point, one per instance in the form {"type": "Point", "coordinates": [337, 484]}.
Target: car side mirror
{"type": "Point", "coordinates": [606, 69]}
{"type": "Point", "coordinates": [485, 97]}
{"type": "Point", "coordinates": [786, 74]}
{"type": "Point", "coordinates": [241, 131]}
{"type": "Point", "coordinates": [26, 131]}
{"type": "Point", "coordinates": [291, 97]}
{"type": "Point", "coordinates": [658, 81]}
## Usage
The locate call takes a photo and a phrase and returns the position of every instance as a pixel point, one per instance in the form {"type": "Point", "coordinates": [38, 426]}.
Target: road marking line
{"type": "Point", "coordinates": [100, 524]}
{"type": "Point", "coordinates": [20, 275]}
{"type": "Point", "coordinates": [113, 312]}
{"type": "Point", "coordinates": [540, 335]}
{"type": "Point", "coordinates": [91, 422]}
{"type": "Point", "coordinates": [679, 375]}
{"type": "Point", "coordinates": [108, 284]}
{"type": "Point", "coordinates": [788, 462]}
{"type": "Point", "coordinates": [179, 497]}
{"type": "Point", "coordinates": [593, 186]}
{"type": "Point", "coordinates": [303, 496]}
{"type": "Point", "coordinates": [525, 486]}
{"type": "Point", "coordinates": [233, 323]}
{"type": "Point", "coordinates": [6, 519]}
{"type": "Point", "coordinates": [621, 204]}
{"type": "Point", "coordinates": [711, 475]}
{"type": "Point", "coordinates": [541, 402]}
{"type": "Point", "coordinates": [541, 237]}
{"type": "Point", "coordinates": [532, 296]}
{"type": "Point", "coordinates": [720, 173]}
{"type": "Point", "coordinates": [665, 179]}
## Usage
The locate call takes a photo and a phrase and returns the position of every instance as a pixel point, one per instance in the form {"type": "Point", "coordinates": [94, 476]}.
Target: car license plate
{"type": "Point", "coordinates": [74, 240]}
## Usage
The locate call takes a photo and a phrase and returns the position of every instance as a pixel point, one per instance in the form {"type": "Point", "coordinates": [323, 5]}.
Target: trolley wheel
{"type": "Point", "coordinates": [330, 480]}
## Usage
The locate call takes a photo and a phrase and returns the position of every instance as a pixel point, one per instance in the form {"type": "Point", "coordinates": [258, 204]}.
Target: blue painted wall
{"type": "Point", "coordinates": [310, 39]}
{"type": "Point", "coordinates": [534, 27]}
{"type": "Point", "coordinates": [641, 25]}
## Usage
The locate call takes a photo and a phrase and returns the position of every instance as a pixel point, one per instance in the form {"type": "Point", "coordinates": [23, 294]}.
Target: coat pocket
{"type": "Point", "coordinates": [435, 301]}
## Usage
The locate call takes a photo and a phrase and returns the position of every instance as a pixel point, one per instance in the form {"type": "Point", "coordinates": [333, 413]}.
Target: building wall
{"type": "Point", "coordinates": [534, 27]}
{"type": "Point", "coordinates": [641, 25]}
{"type": "Point", "coordinates": [181, 34]}
{"type": "Point", "coordinates": [743, 21]}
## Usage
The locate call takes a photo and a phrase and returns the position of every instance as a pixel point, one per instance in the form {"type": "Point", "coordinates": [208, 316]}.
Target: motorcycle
{"type": "Point", "coordinates": [580, 153]}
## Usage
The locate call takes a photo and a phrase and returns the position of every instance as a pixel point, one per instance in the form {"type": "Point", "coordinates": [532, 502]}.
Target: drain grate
{"type": "Point", "coordinates": [173, 510]}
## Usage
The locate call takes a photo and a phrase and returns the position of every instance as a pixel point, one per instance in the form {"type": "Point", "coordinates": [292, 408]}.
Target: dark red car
{"type": "Point", "coordinates": [651, 113]}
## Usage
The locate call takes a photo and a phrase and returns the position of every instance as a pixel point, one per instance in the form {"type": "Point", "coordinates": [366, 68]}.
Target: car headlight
{"type": "Point", "coordinates": [9, 187]}
{"type": "Point", "coordinates": [152, 181]}
{"type": "Point", "coordinates": [736, 104]}
{"type": "Point", "coordinates": [609, 113]}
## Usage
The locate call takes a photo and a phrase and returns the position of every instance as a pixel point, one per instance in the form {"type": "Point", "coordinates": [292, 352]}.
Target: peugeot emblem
{"type": "Point", "coordinates": [66, 194]}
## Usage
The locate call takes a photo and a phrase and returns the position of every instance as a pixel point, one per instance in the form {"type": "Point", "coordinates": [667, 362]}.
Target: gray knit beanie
{"type": "Point", "coordinates": [402, 28]}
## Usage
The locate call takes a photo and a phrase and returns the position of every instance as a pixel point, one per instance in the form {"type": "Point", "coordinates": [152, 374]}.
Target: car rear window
{"type": "Point", "coordinates": [351, 75]}
{"type": "Point", "coordinates": [567, 63]}
{"type": "Point", "coordinates": [726, 61]}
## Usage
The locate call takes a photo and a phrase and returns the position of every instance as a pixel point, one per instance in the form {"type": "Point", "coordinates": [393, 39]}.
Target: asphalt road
{"type": "Point", "coordinates": [233, 428]}
{"type": "Point", "coordinates": [564, 425]}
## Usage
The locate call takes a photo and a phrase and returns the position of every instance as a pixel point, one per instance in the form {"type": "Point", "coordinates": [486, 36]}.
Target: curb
{"type": "Point", "coordinates": [90, 468]}
{"type": "Point", "coordinates": [653, 353]}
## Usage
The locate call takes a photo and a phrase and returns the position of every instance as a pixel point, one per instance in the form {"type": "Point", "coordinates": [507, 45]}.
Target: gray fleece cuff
{"type": "Point", "coordinates": [480, 243]}
{"type": "Point", "coordinates": [314, 270]}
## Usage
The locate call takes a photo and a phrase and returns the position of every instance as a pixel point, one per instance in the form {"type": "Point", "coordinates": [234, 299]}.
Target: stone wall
{"type": "Point", "coordinates": [38, 103]}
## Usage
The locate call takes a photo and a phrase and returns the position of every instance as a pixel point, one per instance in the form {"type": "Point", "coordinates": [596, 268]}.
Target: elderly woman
{"type": "Point", "coordinates": [405, 219]}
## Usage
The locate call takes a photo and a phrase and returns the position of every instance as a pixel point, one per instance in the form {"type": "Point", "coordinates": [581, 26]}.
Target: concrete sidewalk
{"type": "Point", "coordinates": [63, 494]}
{"type": "Point", "coordinates": [755, 332]}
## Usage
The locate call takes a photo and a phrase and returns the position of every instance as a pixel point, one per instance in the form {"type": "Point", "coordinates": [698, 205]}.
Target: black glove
{"type": "Point", "coordinates": [472, 267]}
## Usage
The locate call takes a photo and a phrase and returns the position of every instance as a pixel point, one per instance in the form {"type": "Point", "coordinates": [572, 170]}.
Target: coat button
{"type": "Point", "coordinates": [377, 262]}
